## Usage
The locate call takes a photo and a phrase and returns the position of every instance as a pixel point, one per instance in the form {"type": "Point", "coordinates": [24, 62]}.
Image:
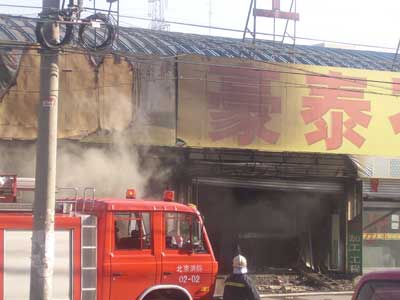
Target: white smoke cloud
{"type": "Point", "coordinates": [110, 169]}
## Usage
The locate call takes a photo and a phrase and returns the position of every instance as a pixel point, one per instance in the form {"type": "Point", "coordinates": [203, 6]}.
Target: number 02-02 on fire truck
{"type": "Point", "coordinates": [119, 249]}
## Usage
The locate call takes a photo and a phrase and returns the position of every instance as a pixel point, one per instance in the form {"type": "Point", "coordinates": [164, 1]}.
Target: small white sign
{"type": "Point", "coordinates": [49, 102]}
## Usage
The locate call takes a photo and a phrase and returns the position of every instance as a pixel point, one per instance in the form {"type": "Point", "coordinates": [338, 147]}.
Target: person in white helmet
{"type": "Point", "coordinates": [238, 286]}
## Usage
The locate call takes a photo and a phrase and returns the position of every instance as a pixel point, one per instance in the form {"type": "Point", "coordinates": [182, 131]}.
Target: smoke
{"type": "Point", "coordinates": [285, 214]}
{"type": "Point", "coordinates": [110, 169]}
{"type": "Point", "coordinates": [17, 158]}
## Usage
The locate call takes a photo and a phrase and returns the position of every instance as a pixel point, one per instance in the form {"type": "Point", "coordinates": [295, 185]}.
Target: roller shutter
{"type": "Point", "coordinates": [381, 188]}
{"type": "Point", "coordinates": [291, 185]}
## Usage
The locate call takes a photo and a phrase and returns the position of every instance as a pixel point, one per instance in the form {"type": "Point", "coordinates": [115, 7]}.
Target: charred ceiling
{"type": "Point", "coordinates": [257, 164]}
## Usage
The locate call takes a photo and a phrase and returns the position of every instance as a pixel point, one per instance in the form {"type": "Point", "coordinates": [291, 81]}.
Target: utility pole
{"type": "Point", "coordinates": [157, 13]}
{"type": "Point", "coordinates": [42, 257]}
{"type": "Point", "coordinates": [209, 16]}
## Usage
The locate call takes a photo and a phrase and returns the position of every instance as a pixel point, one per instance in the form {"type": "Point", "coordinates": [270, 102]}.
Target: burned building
{"type": "Point", "coordinates": [284, 210]}
{"type": "Point", "coordinates": [257, 136]}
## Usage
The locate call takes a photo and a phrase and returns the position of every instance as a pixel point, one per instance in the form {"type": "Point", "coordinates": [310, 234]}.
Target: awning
{"type": "Point", "coordinates": [377, 166]}
{"type": "Point", "coordinates": [380, 176]}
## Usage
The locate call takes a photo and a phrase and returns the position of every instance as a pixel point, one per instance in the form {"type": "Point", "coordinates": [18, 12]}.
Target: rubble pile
{"type": "Point", "coordinates": [299, 283]}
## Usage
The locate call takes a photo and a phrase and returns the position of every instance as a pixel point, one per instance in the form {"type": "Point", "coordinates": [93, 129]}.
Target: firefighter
{"type": "Point", "coordinates": [238, 285]}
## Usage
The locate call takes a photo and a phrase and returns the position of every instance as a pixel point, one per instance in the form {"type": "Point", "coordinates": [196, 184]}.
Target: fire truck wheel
{"type": "Point", "coordinates": [166, 295]}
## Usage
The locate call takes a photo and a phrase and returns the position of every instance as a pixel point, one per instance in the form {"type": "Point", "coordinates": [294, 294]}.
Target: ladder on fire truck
{"type": "Point", "coordinates": [11, 184]}
{"type": "Point", "coordinates": [89, 257]}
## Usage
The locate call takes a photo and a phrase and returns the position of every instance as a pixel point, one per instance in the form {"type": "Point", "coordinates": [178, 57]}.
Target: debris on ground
{"type": "Point", "coordinates": [299, 282]}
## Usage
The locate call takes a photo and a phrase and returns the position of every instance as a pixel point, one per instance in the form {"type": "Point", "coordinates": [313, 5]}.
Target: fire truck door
{"type": "Point", "coordinates": [133, 263]}
{"type": "Point", "coordinates": [185, 259]}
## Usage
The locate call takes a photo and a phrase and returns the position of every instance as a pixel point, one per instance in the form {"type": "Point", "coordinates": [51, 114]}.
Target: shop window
{"type": "Point", "coordinates": [395, 222]}
{"type": "Point", "coordinates": [381, 245]}
{"type": "Point", "coordinates": [132, 230]}
{"type": "Point", "coordinates": [381, 167]}
{"type": "Point", "coordinates": [395, 168]}
{"type": "Point", "coordinates": [184, 231]}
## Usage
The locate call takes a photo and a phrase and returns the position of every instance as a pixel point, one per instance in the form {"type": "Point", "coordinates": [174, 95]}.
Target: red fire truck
{"type": "Point", "coordinates": [111, 249]}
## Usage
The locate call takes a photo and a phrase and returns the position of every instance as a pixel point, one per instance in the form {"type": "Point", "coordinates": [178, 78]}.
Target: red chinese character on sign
{"type": "Point", "coordinates": [240, 104]}
{"type": "Point", "coordinates": [335, 99]}
{"type": "Point", "coordinates": [395, 119]}
{"type": "Point", "coordinates": [396, 86]}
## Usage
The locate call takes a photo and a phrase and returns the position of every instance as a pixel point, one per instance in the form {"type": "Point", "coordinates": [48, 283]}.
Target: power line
{"type": "Point", "coordinates": [286, 84]}
{"type": "Point", "coordinates": [306, 72]}
{"type": "Point", "coordinates": [301, 73]}
{"type": "Point", "coordinates": [298, 71]}
{"type": "Point", "coordinates": [294, 53]}
{"type": "Point", "coordinates": [228, 29]}
{"type": "Point", "coordinates": [283, 84]}
{"type": "Point", "coordinates": [262, 33]}
{"type": "Point", "coordinates": [21, 6]}
{"type": "Point", "coordinates": [387, 64]}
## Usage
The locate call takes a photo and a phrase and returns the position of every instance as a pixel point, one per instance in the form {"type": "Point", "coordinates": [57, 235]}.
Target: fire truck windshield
{"type": "Point", "coordinates": [184, 231]}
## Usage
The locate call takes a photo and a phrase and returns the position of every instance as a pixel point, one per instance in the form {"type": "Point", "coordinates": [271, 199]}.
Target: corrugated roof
{"type": "Point", "coordinates": [160, 43]}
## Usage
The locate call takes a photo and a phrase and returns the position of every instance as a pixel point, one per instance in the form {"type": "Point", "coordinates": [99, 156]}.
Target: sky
{"type": "Point", "coordinates": [367, 22]}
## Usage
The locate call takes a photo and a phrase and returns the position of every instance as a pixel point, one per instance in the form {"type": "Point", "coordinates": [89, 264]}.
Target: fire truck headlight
{"type": "Point", "coordinates": [205, 289]}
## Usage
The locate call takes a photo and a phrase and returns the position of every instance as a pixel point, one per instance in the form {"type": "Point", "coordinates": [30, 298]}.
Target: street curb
{"type": "Point", "coordinates": [342, 293]}
{"type": "Point", "coordinates": [308, 294]}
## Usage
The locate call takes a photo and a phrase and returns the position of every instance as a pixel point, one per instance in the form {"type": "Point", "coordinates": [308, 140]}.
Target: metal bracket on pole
{"type": "Point", "coordinates": [246, 28]}
{"type": "Point", "coordinates": [294, 2]}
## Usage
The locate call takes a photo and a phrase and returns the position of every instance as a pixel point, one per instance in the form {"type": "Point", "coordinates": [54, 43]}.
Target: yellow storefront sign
{"type": "Point", "coordinates": [232, 103]}
{"type": "Point", "coordinates": [381, 236]}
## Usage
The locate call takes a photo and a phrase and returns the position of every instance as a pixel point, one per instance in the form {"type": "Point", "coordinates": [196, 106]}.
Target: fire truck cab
{"type": "Point", "coordinates": [119, 249]}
